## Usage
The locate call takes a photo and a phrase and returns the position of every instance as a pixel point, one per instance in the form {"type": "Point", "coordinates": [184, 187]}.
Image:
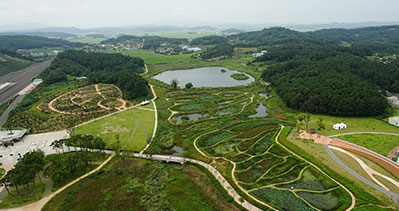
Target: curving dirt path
{"type": "Point", "coordinates": [40, 204]}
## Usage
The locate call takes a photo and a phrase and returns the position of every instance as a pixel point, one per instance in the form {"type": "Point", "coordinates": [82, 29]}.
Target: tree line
{"type": "Point", "coordinates": [220, 50]}
{"type": "Point", "coordinates": [16, 42]}
{"type": "Point", "coordinates": [24, 173]}
{"type": "Point", "coordinates": [117, 69]}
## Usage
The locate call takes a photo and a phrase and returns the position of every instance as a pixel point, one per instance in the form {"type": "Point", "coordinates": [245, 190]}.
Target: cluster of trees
{"type": "Point", "coordinates": [326, 86]}
{"type": "Point", "coordinates": [24, 173]}
{"type": "Point", "coordinates": [100, 68]}
{"type": "Point", "coordinates": [15, 42]}
{"type": "Point", "coordinates": [225, 50]}
{"type": "Point", "coordinates": [209, 40]}
{"type": "Point", "coordinates": [68, 164]}
{"type": "Point", "coordinates": [85, 142]}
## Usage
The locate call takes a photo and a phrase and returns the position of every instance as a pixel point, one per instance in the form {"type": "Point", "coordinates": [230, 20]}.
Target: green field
{"type": "Point", "coordinates": [379, 143]}
{"type": "Point", "coordinates": [132, 127]}
{"type": "Point", "coordinates": [89, 40]}
{"type": "Point", "coordinates": [144, 185]}
{"type": "Point", "coordinates": [355, 124]}
{"type": "Point", "coordinates": [151, 58]}
{"type": "Point", "coordinates": [10, 64]}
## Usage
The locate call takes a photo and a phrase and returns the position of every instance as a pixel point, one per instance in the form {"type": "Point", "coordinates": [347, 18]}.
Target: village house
{"type": "Point", "coordinates": [394, 120]}
{"type": "Point", "coordinates": [394, 100]}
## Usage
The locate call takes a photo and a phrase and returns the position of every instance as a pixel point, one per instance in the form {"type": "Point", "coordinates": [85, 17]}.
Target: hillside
{"type": "Point", "coordinates": [16, 42]}
{"type": "Point", "coordinates": [11, 61]}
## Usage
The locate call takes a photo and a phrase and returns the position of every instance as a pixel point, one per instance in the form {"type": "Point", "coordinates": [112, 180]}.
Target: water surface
{"type": "Point", "coordinates": [204, 77]}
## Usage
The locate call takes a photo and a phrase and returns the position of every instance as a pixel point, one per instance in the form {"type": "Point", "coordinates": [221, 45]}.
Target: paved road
{"type": "Point", "coordinates": [393, 196]}
{"type": "Point", "coordinates": [22, 79]}
{"type": "Point", "coordinates": [41, 141]}
{"type": "Point", "coordinates": [12, 105]}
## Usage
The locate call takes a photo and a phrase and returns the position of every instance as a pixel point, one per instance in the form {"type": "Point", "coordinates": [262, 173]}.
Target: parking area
{"type": "Point", "coordinates": [9, 155]}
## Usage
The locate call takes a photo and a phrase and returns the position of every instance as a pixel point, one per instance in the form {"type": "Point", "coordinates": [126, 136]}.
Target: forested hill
{"type": "Point", "coordinates": [15, 42]}
{"type": "Point", "coordinates": [149, 42]}
{"type": "Point", "coordinates": [336, 71]}
{"type": "Point", "coordinates": [100, 68]}
{"type": "Point", "coordinates": [382, 34]}
{"type": "Point", "coordinates": [12, 61]}
{"type": "Point", "coordinates": [279, 35]}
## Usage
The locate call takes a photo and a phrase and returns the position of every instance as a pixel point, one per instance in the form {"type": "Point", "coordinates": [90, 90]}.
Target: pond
{"type": "Point", "coordinates": [204, 77]}
{"type": "Point", "coordinates": [260, 111]}
{"type": "Point", "coordinates": [264, 95]}
{"type": "Point", "coordinates": [225, 102]}
{"type": "Point", "coordinates": [178, 151]}
{"type": "Point", "coordinates": [189, 117]}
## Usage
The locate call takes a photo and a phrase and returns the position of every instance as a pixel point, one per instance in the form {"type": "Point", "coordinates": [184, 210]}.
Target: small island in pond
{"type": "Point", "coordinates": [223, 70]}
{"type": "Point", "coordinates": [239, 76]}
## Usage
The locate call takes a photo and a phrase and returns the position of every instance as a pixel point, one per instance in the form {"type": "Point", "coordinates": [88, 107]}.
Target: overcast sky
{"type": "Point", "coordinates": [95, 13]}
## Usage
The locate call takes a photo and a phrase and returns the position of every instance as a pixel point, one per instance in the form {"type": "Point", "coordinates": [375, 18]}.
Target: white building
{"type": "Point", "coordinates": [339, 126]}
{"type": "Point", "coordinates": [394, 120]}
{"type": "Point", "coordinates": [145, 103]}
{"type": "Point", "coordinates": [259, 54]}
{"type": "Point", "coordinates": [394, 101]}
{"type": "Point", "coordinates": [186, 47]}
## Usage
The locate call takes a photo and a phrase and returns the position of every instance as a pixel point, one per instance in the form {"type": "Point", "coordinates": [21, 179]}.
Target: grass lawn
{"type": "Point", "coordinates": [124, 125]}
{"type": "Point", "coordinates": [379, 143]}
{"type": "Point", "coordinates": [355, 124]}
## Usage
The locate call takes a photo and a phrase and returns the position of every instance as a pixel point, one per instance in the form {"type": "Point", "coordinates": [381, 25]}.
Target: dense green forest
{"type": "Point", "coordinates": [209, 40]}
{"type": "Point", "coordinates": [15, 42]}
{"type": "Point", "coordinates": [150, 42]}
{"type": "Point", "coordinates": [117, 69]}
{"type": "Point", "coordinates": [326, 86]}
{"type": "Point", "coordinates": [382, 34]}
{"type": "Point", "coordinates": [225, 50]}
{"type": "Point", "coordinates": [314, 72]}
{"type": "Point", "coordinates": [11, 61]}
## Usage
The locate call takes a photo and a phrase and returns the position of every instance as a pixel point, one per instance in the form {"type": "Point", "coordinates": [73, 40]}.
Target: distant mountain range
{"type": "Point", "coordinates": [72, 32]}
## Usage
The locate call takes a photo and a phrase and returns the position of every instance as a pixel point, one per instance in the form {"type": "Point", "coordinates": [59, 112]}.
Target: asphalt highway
{"type": "Point", "coordinates": [22, 79]}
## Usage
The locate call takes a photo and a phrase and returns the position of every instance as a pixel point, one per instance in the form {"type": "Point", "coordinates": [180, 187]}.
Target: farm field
{"type": "Point", "coordinates": [141, 183]}
{"type": "Point", "coordinates": [132, 127]}
{"type": "Point", "coordinates": [379, 143]}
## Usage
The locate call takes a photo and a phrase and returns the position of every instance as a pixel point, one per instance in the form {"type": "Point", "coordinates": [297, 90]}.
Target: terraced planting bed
{"type": "Point", "coordinates": [213, 125]}
{"type": "Point", "coordinates": [88, 99]}
{"type": "Point", "coordinates": [267, 171]}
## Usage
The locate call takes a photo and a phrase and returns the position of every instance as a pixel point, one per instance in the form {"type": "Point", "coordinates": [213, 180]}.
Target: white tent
{"type": "Point", "coordinates": [339, 126]}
